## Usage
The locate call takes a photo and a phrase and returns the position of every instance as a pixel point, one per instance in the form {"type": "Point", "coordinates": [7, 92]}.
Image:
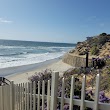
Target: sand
{"type": "Point", "coordinates": [22, 75]}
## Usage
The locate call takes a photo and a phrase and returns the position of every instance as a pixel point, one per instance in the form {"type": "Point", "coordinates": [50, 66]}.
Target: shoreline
{"type": "Point", "coordinates": [20, 74]}
{"type": "Point", "coordinates": [8, 71]}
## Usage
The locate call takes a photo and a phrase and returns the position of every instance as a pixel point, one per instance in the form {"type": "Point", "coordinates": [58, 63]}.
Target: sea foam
{"type": "Point", "coordinates": [17, 53]}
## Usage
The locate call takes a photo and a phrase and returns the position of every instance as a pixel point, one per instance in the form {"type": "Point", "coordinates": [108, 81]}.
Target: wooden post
{"type": "Point", "coordinates": [28, 86]}
{"type": "Point", "coordinates": [72, 92]}
{"type": "Point", "coordinates": [34, 95]}
{"type": "Point", "coordinates": [17, 97]}
{"type": "Point", "coordinates": [96, 102]}
{"type": "Point", "coordinates": [12, 96]}
{"type": "Point", "coordinates": [83, 93]}
{"type": "Point", "coordinates": [1, 98]}
{"type": "Point", "coordinates": [31, 96]}
{"type": "Point", "coordinates": [38, 98]}
{"type": "Point", "coordinates": [43, 93]}
{"type": "Point", "coordinates": [63, 92]}
{"type": "Point", "coordinates": [54, 90]}
{"type": "Point", "coordinates": [48, 96]}
{"type": "Point", "coordinates": [7, 101]}
{"type": "Point", "coordinates": [25, 96]}
{"type": "Point", "coordinates": [93, 62]}
{"type": "Point", "coordinates": [21, 96]}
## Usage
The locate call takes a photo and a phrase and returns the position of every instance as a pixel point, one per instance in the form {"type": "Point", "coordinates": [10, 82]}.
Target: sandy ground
{"type": "Point", "coordinates": [58, 66]}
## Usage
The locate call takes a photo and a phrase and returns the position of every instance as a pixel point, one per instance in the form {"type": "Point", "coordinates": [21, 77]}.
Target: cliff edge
{"type": "Point", "coordinates": [96, 46]}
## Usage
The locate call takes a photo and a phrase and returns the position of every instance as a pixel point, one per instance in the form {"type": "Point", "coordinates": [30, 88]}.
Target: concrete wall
{"type": "Point", "coordinates": [74, 60]}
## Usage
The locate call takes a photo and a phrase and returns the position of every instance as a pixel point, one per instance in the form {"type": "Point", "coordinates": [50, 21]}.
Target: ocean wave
{"type": "Point", "coordinates": [11, 47]}
{"type": "Point", "coordinates": [19, 49]}
{"type": "Point", "coordinates": [52, 47]}
{"type": "Point", "coordinates": [13, 54]}
{"type": "Point", "coordinates": [28, 59]}
{"type": "Point", "coordinates": [55, 49]}
{"type": "Point", "coordinates": [22, 55]}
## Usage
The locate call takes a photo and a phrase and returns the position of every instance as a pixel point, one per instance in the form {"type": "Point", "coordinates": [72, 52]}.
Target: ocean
{"type": "Point", "coordinates": [17, 53]}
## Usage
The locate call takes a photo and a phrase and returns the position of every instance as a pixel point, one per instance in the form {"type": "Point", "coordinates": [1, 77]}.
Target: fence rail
{"type": "Point", "coordinates": [25, 96]}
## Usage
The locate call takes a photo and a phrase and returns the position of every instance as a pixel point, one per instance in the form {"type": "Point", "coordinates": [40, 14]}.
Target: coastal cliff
{"type": "Point", "coordinates": [96, 46]}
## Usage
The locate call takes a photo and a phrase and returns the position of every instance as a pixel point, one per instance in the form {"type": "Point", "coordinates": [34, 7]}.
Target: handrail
{"type": "Point", "coordinates": [4, 80]}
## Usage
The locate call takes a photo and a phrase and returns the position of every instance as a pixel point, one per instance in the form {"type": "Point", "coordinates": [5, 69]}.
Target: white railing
{"type": "Point", "coordinates": [25, 97]}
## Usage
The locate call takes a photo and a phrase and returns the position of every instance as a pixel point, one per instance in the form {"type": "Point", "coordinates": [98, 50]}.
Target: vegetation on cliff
{"type": "Point", "coordinates": [96, 45]}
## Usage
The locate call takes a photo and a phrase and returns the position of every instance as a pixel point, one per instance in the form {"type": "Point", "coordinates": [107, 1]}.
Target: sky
{"type": "Point", "coordinates": [67, 21]}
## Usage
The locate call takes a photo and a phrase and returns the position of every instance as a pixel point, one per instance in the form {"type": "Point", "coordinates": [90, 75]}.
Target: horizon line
{"type": "Point", "coordinates": [39, 41]}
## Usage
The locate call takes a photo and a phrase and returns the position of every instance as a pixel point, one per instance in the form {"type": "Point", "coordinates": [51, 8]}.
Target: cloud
{"type": "Point", "coordinates": [5, 21]}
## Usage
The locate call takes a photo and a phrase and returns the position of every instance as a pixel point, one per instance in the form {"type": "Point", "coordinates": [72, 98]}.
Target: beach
{"type": "Point", "coordinates": [20, 74]}
{"type": "Point", "coordinates": [21, 59]}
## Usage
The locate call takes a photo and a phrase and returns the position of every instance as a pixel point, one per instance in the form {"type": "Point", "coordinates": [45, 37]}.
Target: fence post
{"type": "Point", "coordinates": [72, 92]}
{"type": "Point", "coordinates": [83, 93]}
{"type": "Point", "coordinates": [12, 96]}
{"type": "Point", "coordinates": [54, 90]}
{"type": "Point", "coordinates": [48, 95]}
{"type": "Point", "coordinates": [96, 102]}
{"type": "Point", "coordinates": [1, 98]}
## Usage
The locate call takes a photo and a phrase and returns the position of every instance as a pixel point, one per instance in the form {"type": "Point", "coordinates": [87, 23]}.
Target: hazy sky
{"type": "Point", "coordinates": [53, 20]}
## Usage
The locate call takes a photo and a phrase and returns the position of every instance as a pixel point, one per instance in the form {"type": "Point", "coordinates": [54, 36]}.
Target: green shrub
{"type": "Point", "coordinates": [94, 50]}
{"type": "Point", "coordinates": [102, 40]}
{"type": "Point", "coordinates": [103, 34]}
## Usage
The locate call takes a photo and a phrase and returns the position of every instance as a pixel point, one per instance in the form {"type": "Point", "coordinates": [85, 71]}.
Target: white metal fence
{"type": "Point", "coordinates": [25, 97]}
